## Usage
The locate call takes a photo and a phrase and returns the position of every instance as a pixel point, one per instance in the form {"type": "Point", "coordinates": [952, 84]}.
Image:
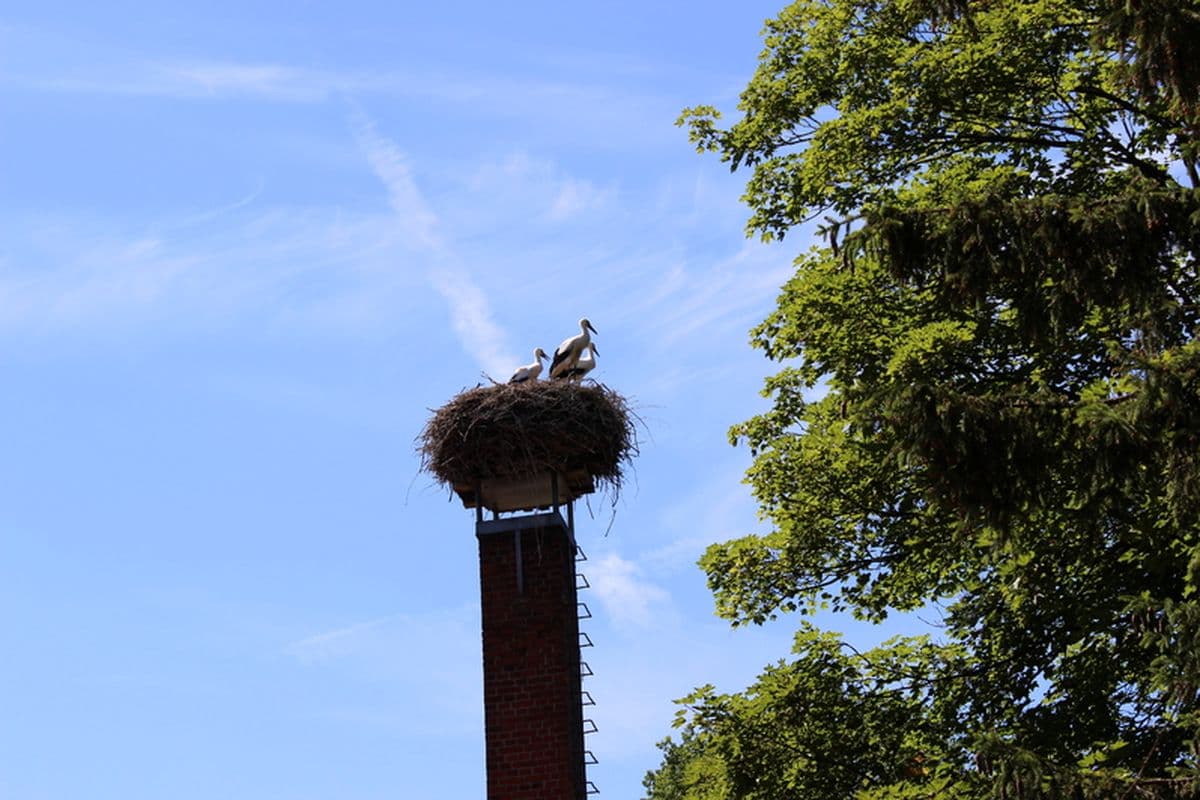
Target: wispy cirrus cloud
{"type": "Point", "coordinates": [414, 217]}
{"type": "Point", "coordinates": [530, 188]}
{"type": "Point", "coordinates": [335, 643]}
{"type": "Point", "coordinates": [470, 310]}
{"type": "Point", "coordinates": [298, 266]}
{"type": "Point", "coordinates": [96, 278]}
{"type": "Point", "coordinates": [231, 78]}
{"type": "Point", "coordinates": [123, 74]}
{"type": "Point", "coordinates": [728, 293]}
{"type": "Point", "coordinates": [471, 316]}
{"type": "Point", "coordinates": [575, 197]}
{"type": "Point", "coordinates": [381, 648]}
{"type": "Point", "coordinates": [588, 107]}
{"type": "Point", "coordinates": [393, 654]}
{"type": "Point", "coordinates": [549, 94]}
{"type": "Point", "coordinates": [129, 73]}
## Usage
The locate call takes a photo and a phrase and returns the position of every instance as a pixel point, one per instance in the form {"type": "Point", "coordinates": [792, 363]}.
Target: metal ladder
{"type": "Point", "coordinates": [585, 671]}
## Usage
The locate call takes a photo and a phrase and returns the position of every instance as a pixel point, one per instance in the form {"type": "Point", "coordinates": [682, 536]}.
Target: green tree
{"type": "Point", "coordinates": [1001, 328]}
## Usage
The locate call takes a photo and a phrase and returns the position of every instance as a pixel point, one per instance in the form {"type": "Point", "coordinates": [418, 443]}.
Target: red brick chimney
{"type": "Point", "coordinates": [532, 694]}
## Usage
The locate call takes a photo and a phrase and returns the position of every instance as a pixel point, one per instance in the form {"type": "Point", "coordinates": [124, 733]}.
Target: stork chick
{"type": "Point", "coordinates": [530, 372]}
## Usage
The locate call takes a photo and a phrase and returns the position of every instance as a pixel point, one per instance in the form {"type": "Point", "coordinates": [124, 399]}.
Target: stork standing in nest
{"type": "Point", "coordinates": [529, 372]}
{"type": "Point", "coordinates": [584, 365]}
{"type": "Point", "coordinates": [566, 357]}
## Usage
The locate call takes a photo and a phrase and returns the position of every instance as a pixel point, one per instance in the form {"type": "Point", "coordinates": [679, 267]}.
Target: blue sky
{"type": "Point", "coordinates": [244, 248]}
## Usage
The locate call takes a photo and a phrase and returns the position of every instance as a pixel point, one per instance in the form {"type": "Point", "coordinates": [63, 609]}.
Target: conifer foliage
{"type": "Point", "coordinates": [988, 407]}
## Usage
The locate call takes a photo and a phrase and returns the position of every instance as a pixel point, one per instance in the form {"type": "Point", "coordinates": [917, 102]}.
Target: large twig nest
{"type": "Point", "coordinates": [511, 431]}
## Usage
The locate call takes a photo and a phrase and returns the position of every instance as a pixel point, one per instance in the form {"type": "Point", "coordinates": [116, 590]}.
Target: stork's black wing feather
{"type": "Point", "coordinates": [560, 357]}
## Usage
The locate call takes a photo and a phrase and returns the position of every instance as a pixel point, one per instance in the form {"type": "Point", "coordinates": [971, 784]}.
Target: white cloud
{"type": "Point", "coordinates": [521, 186]}
{"type": "Point", "coordinates": [382, 648]}
{"type": "Point", "coordinates": [733, 292]}
{"type": "Point", "coordinates": [590, 108]}
{"type": "Point", "coordinates": [103, 278]}
{"type": "Point", "coordinates": [394, 655]}
{"type": "Point", "coordinates": [304, 267]}
{"type": "Point", "coordinates": [729, 512]}
{"type": "Point", "coordinates": [471, 316]}
{"type": "Point", "coordinates": [413, 214]}
{"type": "Point", "coordinates": [628, 598]}
{"type": "Point", "coordinates": [119, 74]}
{"type": "Point", "coordinates": [225, 78]}
{"type": "Point", "coordinates": [336, 643]}
{"type": "Point", "coordinates": [575, 197]}
{"type": "Point", "coordinates": [470, 310]}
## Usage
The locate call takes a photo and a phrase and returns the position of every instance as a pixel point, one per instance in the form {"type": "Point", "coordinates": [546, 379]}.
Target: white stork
{"type": "Point", "coordinates": [530, 372]}
{"type": "Point", "coordinates": [568, 353]}
{"type": "Point", "coordinates": [583, 366]}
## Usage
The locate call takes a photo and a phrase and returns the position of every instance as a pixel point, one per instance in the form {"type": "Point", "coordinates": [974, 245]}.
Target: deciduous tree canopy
{"type": "Point", "coordinates": [1001, 328]}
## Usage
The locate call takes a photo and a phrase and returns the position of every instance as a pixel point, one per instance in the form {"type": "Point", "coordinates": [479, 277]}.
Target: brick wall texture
{"type": "Point", "coordinates": [531, 682]}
